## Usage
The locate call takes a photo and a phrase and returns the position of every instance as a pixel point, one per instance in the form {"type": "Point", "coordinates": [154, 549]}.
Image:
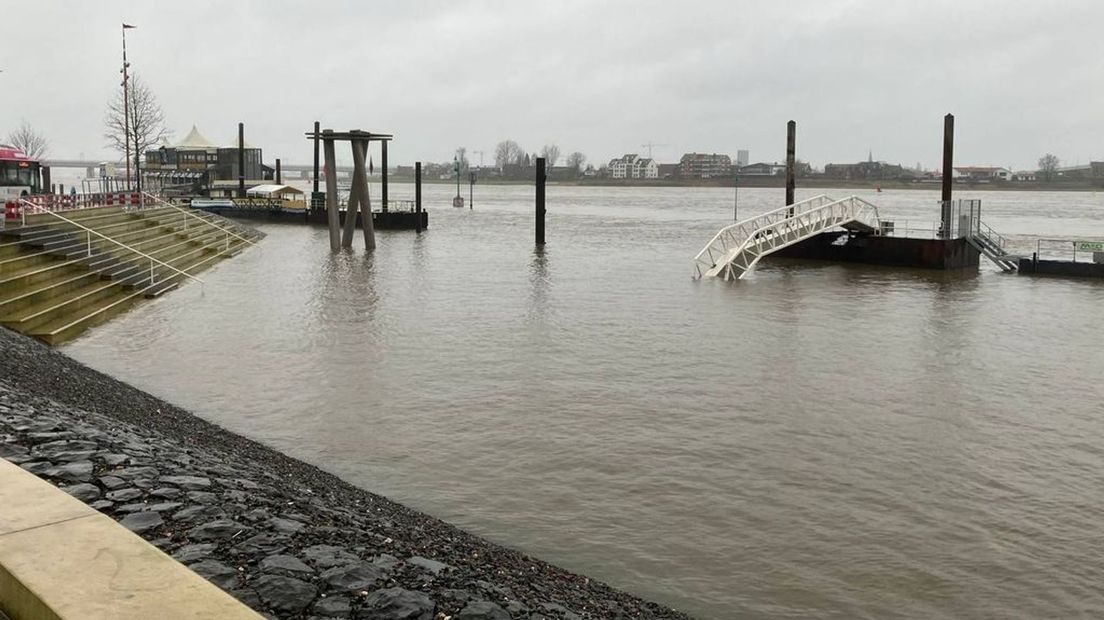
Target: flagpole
{"type": "Point", "coordinates": [126, 110]}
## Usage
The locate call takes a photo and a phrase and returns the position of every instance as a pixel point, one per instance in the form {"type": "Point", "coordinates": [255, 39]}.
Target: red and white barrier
{"type": "Point", "coordinates": [11, 210]}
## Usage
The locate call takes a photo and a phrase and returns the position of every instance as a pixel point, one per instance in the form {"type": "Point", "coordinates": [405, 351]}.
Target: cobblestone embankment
{"type": "Point", "coordinates": [284, 537]}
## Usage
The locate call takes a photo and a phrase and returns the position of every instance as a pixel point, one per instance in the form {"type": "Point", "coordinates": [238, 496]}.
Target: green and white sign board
{"type": "Point", "coordinates": [1090, 246]}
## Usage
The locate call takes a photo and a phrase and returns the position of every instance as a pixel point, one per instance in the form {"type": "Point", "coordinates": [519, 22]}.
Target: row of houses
{"type": "Point", "coordinates": [690, 166]}
{"type": "Point", "coordinates": [719, 166]}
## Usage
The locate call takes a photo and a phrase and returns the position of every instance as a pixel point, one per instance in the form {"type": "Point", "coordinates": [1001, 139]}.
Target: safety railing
{"type": "Point", "coordinates": [89, 234]}
{"type": "Point", "coordinates": [989, 235]}
{"type": "Point", "coordinates": [910, 229]}
{"type": "Point", "coordinates": [191, 213]}
{"type": "Point", "coordinates": [777, 235]}
{"type": "Point", "coordinates": [392, 204]}
{"type": "Point", "coordinates": [734, 235]}
{"type": "Point", "coordinates": [1072, 250]}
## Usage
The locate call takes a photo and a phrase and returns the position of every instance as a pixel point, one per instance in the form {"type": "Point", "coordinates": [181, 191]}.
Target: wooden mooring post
{"type": "Point", "coordinates": [791, 163]}
{"type": "Point", "coordinates": [316, 130]}
{"type": "Point", "coordinates": [241, 160]}
{"type": "Point", "coordinates": [383, 176]}
{"type": "Point", "coordinates": [540, 200]}
{"type": "Point", "coordinates": [945, 213]}
{"type": "Point", "coordinates": [278, 176]}
{"type": "Point", "coordinates": [418, 196]}
{"type": "Point", "coordinates": [333, 218]}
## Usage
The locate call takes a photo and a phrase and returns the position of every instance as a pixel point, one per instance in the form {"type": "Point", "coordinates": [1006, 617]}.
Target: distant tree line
{"type": "Point", "coordinates": [513, 161]}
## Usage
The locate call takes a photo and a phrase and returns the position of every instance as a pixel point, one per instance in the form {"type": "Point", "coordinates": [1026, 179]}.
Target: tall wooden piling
{"type": "Point", "coordinates": [278, 177]}
{"type": "Point", "coordinates": [46, 185]}
{"type": "Point", "coordinates": [540, 200]}
{"type": "Point", "coordinates": [945, 214]}
{"type": "Point", "coordinates": [418, 196]}
{"type": "Point", "coordinates": [791, 162]}
{"type": "Point", "coordinates": [356, 193]}
{"type": "Point", "coordinates": [241, 160]}
{"type": "Point", "coordinates": [316, 130]}
{"type": "Point", "coordinates": [332, 217]}
{"type": "Point", "coordinates": [360, 170]}
{"type": "Point", "coordinates": [383, 176]}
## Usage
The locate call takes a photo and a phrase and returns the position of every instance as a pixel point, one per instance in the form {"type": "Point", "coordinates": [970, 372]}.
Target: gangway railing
{"type": "Point", "coordinates": [773, 233]}
{"type": "Point", "coordinates": [734, 235]}
{"type": "Point", "coordinates": [89, 233]}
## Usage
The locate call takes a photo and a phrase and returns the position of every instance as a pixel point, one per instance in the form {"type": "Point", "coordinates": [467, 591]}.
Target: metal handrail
{"type": "Point", "coordinates": [191, 213]}
{"type": "Point", "coordinates": [91, 232]}
{"type": "Point", "coordinates": [906, 228]}
{"type": "Point", "coordinates": [748, 227]}
{"type": "Point", "coordinates": [762, 235]}
{"type": "Point", "coordinates": [988, 234]}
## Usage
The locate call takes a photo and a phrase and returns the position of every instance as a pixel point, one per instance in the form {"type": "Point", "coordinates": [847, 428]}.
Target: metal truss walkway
{"type": "Point", "coordinates": [737, 248]}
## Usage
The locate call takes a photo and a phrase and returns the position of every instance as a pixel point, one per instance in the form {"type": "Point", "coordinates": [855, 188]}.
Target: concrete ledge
{"type": "Point", "coordinates": [61, 560]}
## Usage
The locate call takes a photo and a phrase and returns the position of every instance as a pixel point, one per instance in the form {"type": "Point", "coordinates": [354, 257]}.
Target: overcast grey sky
{"type": "Point", "coordinates": [1021, 77]}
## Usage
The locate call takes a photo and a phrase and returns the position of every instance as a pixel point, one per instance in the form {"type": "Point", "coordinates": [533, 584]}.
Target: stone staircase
{"type": "Point", "coordinates": [59, 277]}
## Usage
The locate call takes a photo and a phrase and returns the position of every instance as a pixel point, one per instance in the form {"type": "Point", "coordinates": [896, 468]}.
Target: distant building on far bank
{"type": "Point", "coordinates": [762, 169]}
{"type": "Point", "coordinates": [668, 171]}
{"type": "Point", "coordinates": [982, 173]}
{"type": "Point", "coordinates": [742, 158]}
{"type": "Point", "coordinates": [633, 166]}
{"type": "Point", "coordinates": [704, 166]}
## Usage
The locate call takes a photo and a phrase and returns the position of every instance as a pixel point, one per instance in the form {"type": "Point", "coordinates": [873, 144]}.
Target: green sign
{"type": "Point", "coordinates": [1090, 246]}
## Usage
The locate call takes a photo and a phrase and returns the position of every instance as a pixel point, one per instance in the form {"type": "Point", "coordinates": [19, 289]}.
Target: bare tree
{"type": "Point", "coordinates": [551, 154]}
{"type": "Point", "coordinates": [576, 161]}
{"type": "Point", "coordinates": [508, 152]}
{"type": "Point", "coordinates": [1048, 166]}
{"type": "Point", "coordinates": [147, 120]}
{"type": "Point", "coordinates": [29, 140]}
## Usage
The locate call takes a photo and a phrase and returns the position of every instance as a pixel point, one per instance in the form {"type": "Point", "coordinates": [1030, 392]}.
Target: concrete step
{"type": "Point", "coordinates": [10, 305]}
{"type": "Point", "coordinates": [24, 261]}
{"type": "Point", "coordinates": [159, 289]}
{"type": "Point", "coordinates": [198, 260]}
{"type": "Point", "coordinates": [66, 328]}
{"type": "Point", "coordinates": [9, 248]}
{"type": "Point", "coordinates": [84, 298]}
{"type": "Point", "coordinates": [77, 215]}
{"type": "Point", "coordinates": [40, 237]}
{"type": "Point", "coordinates": [37, 274]}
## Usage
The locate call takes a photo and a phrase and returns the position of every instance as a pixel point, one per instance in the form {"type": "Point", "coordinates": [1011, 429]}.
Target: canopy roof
{"type": "Point", "coordinates": [195, 140]}
{"type": "Point", "coordinates": [274, 191]}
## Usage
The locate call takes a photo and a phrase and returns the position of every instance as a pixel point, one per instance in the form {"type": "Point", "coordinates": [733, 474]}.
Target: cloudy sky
{"type": "Point", "coordinates": [1022, 77]}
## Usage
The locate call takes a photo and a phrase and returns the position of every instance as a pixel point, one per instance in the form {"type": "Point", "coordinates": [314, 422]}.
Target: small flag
{"type": "Point", "coordinates": [371, 166]}
{"type": "Point", "coordinates": [125, 26]}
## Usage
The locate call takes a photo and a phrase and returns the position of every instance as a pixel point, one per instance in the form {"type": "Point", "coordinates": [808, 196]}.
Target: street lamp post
{"type": "Point", "coordinates": [458, 200]}
{"type": "Point", "coordinates": [126, 106]}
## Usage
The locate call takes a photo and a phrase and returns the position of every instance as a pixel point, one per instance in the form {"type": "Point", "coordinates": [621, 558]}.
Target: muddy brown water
{"type": "Point", "coordinates": [819, 440]}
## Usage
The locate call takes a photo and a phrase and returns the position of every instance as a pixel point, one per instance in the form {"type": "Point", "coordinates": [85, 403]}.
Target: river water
{"type": "Point", "coordinates": [818, 440]}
